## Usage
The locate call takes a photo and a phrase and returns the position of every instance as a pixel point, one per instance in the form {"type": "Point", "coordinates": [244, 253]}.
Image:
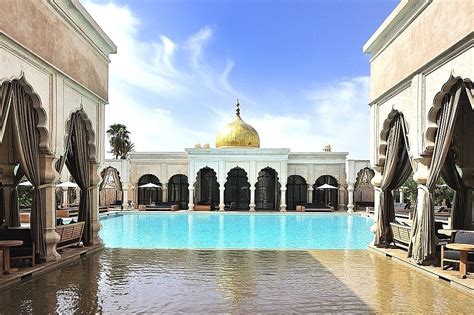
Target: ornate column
{"type": "Point", "coordinates": [377, 183]}
{"type": "Point", "coordinates": [342, 203]}
{"type": "Point", "coordinates": [65, 203]}
{"type": "Point", "coordinates": [94, 202]}
{"type": "Point", "coordinates": [221, 197]}
{"type": "Point", "coordinates": [310, 193]}
{"type": "Point", "coordinates": [125, 196]}
{"type": "Point", "coordinates": [402, 196]}
{"type": "Point", "coordinates": [165, 192]}
{"type": "Point", "coordinates": [350, 197]}
{"type": "Point", "coordinates": [252, 197]}
{"type": "Point", "coordinates": [48, 176]}
{"type": "Point", "coordinates": [191, 197]}
{"type": "Point", "coordinates": [283, 197]}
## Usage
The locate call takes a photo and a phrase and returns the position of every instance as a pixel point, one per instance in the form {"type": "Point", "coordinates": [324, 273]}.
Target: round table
{"type": "Point", "coordinates": [463, 251]}
{"type": "Point", "coordinates": [5, 246]}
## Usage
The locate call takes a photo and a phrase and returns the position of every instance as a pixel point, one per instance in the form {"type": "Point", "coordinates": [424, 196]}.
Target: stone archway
{"type": "Point", "coordinates": [110, 189]}
{"type": "Point", "coordinates": [237, 190]}
{"type": "Point", "coordinates": [178, 191]}
{"type": "Point", "coordinates": [206, 188]}
{"type": "Point", "coordinates": [326, 197]}
{"type": "Point", "coordinates": [149, 195]}
{"type": "Point", "coordinates": [267, 190]}
{"type": "Point", "coordinates": [296, 191]}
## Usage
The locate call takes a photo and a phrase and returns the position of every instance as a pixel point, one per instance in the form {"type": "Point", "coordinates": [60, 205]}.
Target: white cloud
{"type": "Point", "coordinates": [168, 94]}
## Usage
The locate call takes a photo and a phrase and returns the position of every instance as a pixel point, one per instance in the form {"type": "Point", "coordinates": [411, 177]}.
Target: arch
{"type": "Point", "coordinates": [267, 190]}
{"type": "Point", "coordinates": [237, 189]}
{"type": "Point", "coordinates": [110, 186]}
{"type": "Point", "coordinates": [446, 90]}
{"type": "Point", "coordinates": [90, 132]}
{"type": "Point", "coordinates": [296, 192]}
{"type": "Point", "coordinates": [178, 190]}
{"type": "Point", "coordinates": [326, 197]}
{"type": "Point", "coordinates": [42, 125]}
{"type": "Point", "coordinates": [364, 177]}
{"type": "Point", "coordinates": [149, 196]}
{"type": "Point", "coordinates": [206, 187]}
{"type": "Point", "coordinates": [387, 124]}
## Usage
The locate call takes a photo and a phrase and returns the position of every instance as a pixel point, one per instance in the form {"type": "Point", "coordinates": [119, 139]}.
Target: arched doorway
{"type": "Point", "coordinates": [267, 190]}
{"type": "Point", "coordinates": [149, 195]}
{"type": "Point", "coordinates": [178, 191]}
{"type": "Point", "coordinates": [326, 197]}
{"type": "Point", "coordinates": [110, 189]}
{"type": "Point", "coordinates": [296, 192]}
{"type": "Point", "coordinates": [237, 190]}
{"type": "Point", "coordinates": [207, 187]}
{"type": "Point", "coordinates": [363, 188]}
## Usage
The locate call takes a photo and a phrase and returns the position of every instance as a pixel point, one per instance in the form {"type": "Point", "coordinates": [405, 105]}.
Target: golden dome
{"type": "Point", "coordinates": [238, 134]}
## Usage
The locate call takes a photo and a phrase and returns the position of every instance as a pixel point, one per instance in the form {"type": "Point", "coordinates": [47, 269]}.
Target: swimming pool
{"type": "Point", "coordinates": [236, 231]}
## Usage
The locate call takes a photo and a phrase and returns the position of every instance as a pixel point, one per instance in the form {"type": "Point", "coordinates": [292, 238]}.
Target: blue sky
{"type": "Point", "coordinates": [296, 66]}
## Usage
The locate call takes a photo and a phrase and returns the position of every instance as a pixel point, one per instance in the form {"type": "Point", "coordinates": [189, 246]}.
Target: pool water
{"type": "Point", "coordinates": [236, 231]}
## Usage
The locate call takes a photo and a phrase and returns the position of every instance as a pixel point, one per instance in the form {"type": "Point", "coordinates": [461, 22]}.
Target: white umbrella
{"type": "Point", "coordinates": [67, 184]}
{"type": "Point", "coordinates": [149, 185]}
{"type": "Point", "coordinates": [27, 183]}
{"type": "Point", "coordinates": [326, 186]}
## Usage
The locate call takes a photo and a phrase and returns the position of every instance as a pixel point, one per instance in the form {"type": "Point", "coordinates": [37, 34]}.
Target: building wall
{"type": "Point", "coordinates": [420, 32]}
{"type": "Point", "coordinates": [44, 28]}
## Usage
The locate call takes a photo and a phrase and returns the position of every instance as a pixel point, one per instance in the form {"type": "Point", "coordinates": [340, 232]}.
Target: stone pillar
{"type": "Point", "coordinates": [283, 197]}
{"type": "Point", "coordinates": [125, 196]}
{"type": "Point", "coordinates": [350, 197]}
{"type": "Point", "coordinates": [165, 192]}
{"type": "Point", "coordinates": [252, 197]}
{"type": "Point", "coordinates": [310, 193]}
{"type": "Point", "coordinates": [376, 182]}
{"type": "Point", "coordinates": [402, 195]}
{"type": "Point", "coordinates": [342, 203]}
{"type": "Point", "coordinates": [48, 176]}
{"type": "Point", "coordinates": [94, 203]}
{"type": "Point", "coordinates": [65, 203]}
{"type": "Point", "coordinates": [221, 197]}
{"type": "Point", "coordinates": [191, 197]}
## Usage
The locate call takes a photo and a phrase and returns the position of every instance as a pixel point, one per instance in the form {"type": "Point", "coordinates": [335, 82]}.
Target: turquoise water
{"type": "Point", "coordinates": [236, 231]}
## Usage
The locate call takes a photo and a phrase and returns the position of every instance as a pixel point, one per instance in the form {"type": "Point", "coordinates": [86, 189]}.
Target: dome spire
{"type": "Point", "coordinates": [237, 109]}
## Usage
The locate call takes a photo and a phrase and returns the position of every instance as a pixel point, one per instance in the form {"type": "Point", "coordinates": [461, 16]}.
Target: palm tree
{"type": "Point", "coordinates": [119, 139]}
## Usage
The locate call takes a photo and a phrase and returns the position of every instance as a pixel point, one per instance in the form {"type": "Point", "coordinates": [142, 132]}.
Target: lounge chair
{"type": "Point", "coordinates": [70, 234]}
{"type": "Point", "coordinates": [25, 251]}
{"type": "Point", "coordinates": [453, 256]}
{"type": "Point", "coordinates": [401, 234]}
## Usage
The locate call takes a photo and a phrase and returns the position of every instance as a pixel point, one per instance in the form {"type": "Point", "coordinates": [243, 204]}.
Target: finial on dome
{"type": "Point", "coordinates": [237, 110]}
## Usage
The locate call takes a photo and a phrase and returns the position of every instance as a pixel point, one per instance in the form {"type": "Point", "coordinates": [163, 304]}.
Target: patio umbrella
{"type": "Point", "coordinates": [326, 186]}
{"type": "Point", "coordinates": [67, 184]}
{"type": "Point", "coordinates": [149, 186]}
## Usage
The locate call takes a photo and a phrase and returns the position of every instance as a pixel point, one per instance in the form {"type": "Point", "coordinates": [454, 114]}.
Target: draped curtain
{"type": "Point", "coordinates": [397, 170]}
{"type": "Point", "coordinates": [423, 241]}
{"type": "Point", "coordinates": [78, 164]}
{"type": "Point", "coordinates": [14, 219]}
{"type": "Point", "coordinates": [452, 178]}
{"type": "Point", "coordinates": [5, 103]}
{"type": "Point", "coordinates": [25, 122]}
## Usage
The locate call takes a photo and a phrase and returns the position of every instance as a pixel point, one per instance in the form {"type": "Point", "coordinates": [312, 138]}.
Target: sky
{"type": "Point", "coordinates": [296, 66]}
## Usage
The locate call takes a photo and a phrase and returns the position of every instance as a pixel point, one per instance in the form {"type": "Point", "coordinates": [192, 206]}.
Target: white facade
{"type": "Point", "coordinates": [309, 165]}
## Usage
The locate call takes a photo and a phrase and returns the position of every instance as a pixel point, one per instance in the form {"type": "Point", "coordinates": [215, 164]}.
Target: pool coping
{"type": "Point", "coordinates": [449, 276]}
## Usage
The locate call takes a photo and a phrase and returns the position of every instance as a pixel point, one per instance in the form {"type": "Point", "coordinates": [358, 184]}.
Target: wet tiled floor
{"type": "Point", "coordinates": [355, 281]}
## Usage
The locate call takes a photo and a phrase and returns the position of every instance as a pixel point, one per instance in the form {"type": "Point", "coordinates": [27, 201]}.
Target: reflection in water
{"type": "Point", "coordinates": [118, 281]}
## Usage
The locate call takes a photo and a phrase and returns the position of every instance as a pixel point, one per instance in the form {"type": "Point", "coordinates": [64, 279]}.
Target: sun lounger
{"type": "Point", "coordinates": [70, 234]}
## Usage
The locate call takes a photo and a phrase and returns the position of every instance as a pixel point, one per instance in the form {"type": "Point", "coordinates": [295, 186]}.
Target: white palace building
{"type": "Point", "coordinates": [237, 174]}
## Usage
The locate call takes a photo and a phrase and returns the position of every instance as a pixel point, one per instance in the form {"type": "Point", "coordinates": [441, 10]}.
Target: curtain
{"type": "Point", "coordinates": [5, 103]}
{"type": "Point", "coordinates": [78, 164]}
{"type": "Point", "coordinates": [452, 178]}
{"type": "Point", "coordinates": [25, 122]}
{"type": "Point", "coordinates": [397, 170]}
{"type": "Point", "coordinates": [423, 242]}
{"type": "Point", "coordinates": [14, 219]}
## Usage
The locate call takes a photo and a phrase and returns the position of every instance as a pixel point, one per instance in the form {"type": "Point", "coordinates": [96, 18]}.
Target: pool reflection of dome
{"type": "Point", "coordinates": [238, 134]}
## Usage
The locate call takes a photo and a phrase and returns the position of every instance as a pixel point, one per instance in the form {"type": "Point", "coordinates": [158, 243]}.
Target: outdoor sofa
{"type": "Point", "coordinates": [453, 256]}
{"type": "Point", "coordinates": [25, 251]}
